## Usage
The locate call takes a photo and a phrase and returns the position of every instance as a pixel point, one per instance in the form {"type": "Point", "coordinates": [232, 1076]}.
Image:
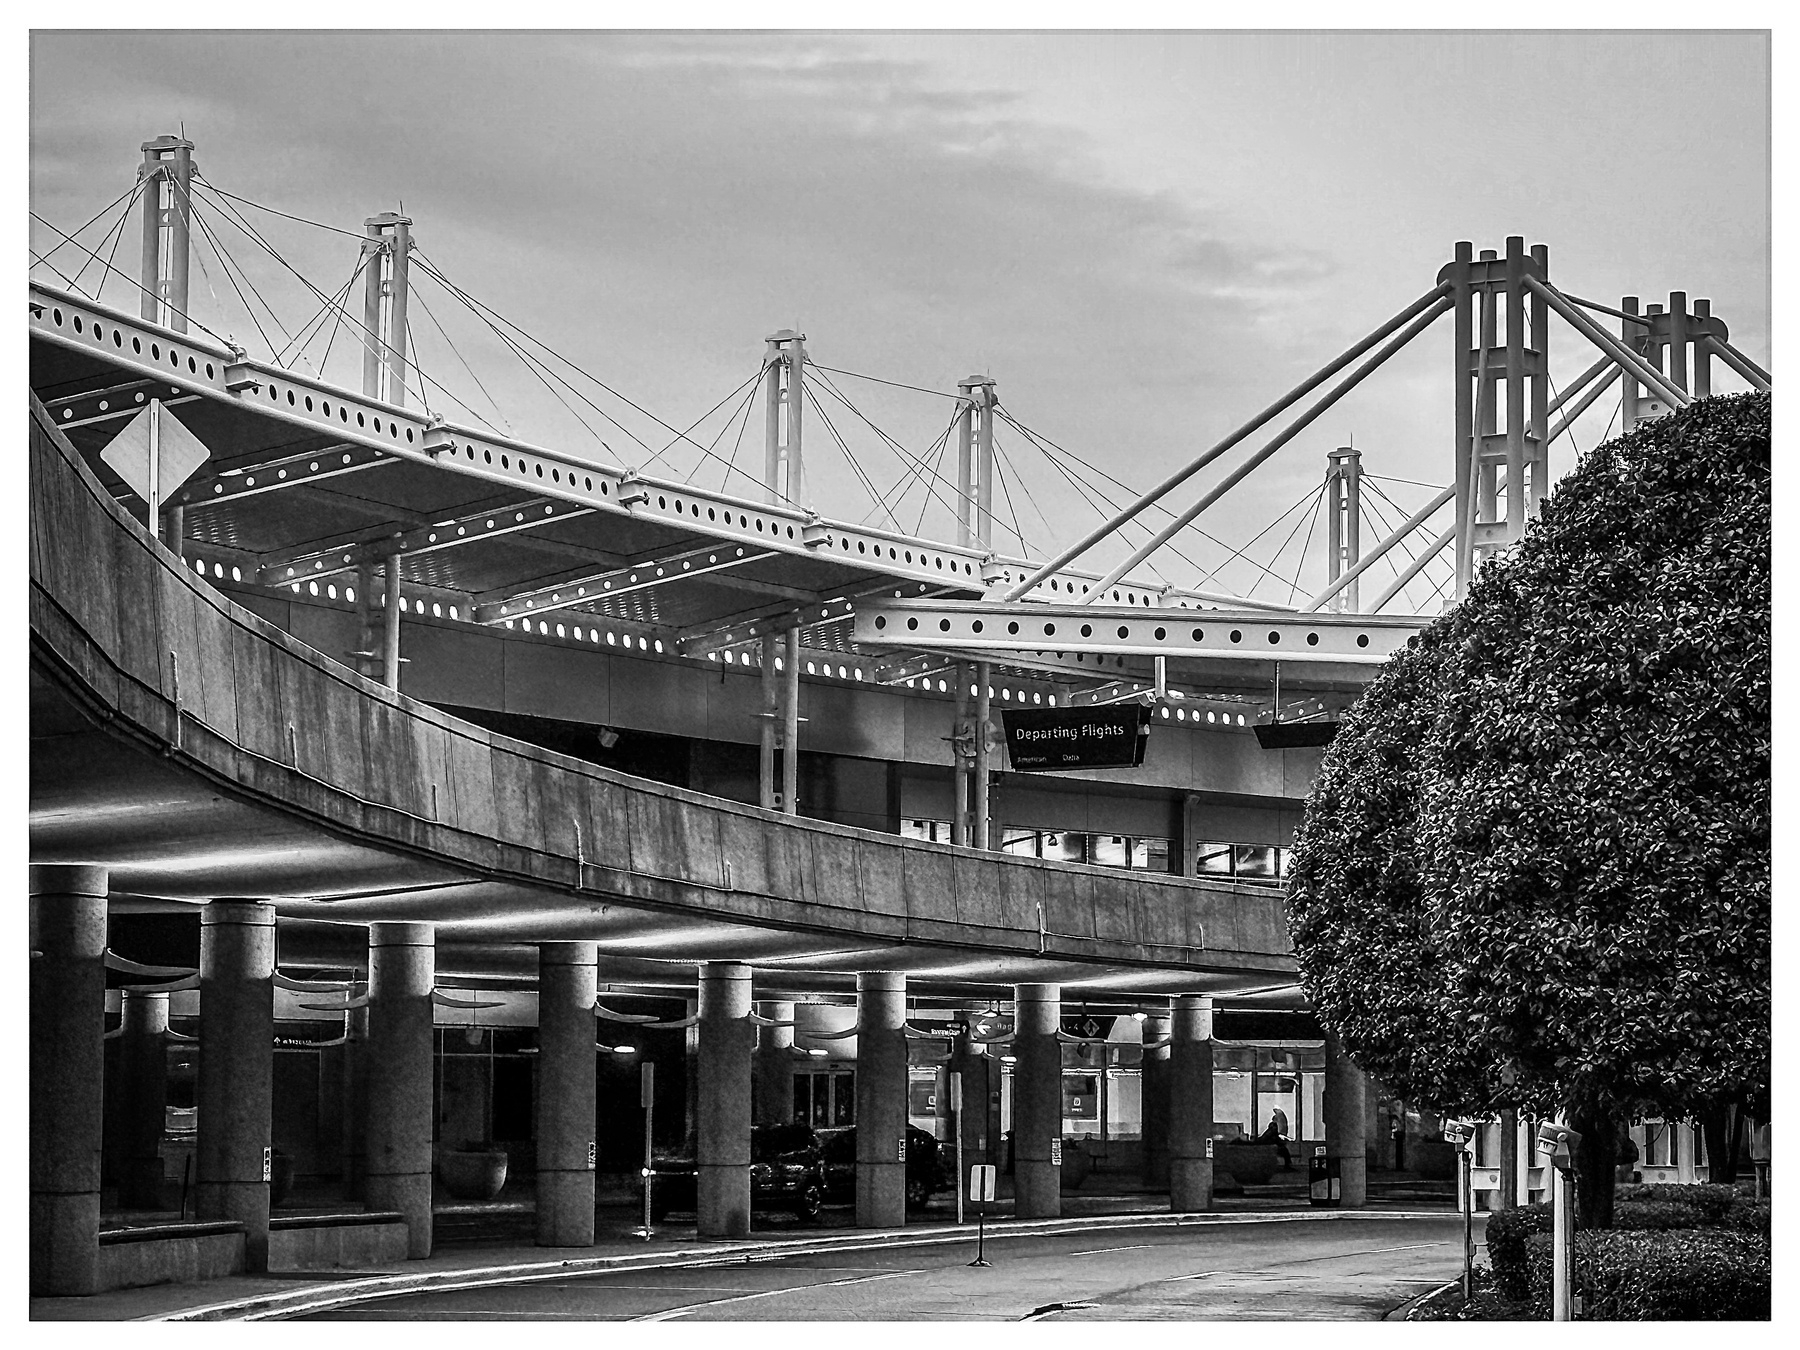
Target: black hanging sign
{"type": "Point", "coordinates": [1054, 739]}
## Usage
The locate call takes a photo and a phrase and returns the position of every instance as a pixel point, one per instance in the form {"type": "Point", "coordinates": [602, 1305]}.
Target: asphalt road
{"type": "Point", "coordinates": [1338, 1271]}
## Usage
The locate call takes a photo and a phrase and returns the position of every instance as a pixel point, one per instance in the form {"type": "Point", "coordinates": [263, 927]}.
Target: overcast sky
{"type": "Point", "coordinates": [1144, 238]}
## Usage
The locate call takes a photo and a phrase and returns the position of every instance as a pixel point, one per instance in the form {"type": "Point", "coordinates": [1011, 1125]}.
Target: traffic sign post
{"type": "Point", "coordinates": [647, 1099]}
{"type": "Point", "coordinates": [954, 1086]}
{"type": "Point", "coordinates": [981, 1190]}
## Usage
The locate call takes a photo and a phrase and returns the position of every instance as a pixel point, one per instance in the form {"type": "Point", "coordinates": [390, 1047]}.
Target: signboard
{"type": "Point", "coordinates": [1056, 1153]}
{"type": "Point", "coordinates": [268, 1164]}
{"type": "Point", "coordinates": [1088, 1026]}
{"type": "Point", "coordinates": [981, 1181]}
{"type": "Point", "coordinates": [155, 437]}
{"type": "Point", "coordinates": [646, 1084]}
{"type": "Point", "coordinates": [590, 1160]}
{"type": "Point", "coordinates": [1054, 740]}
{"type": "Point", "coordinates": [900, 1148]}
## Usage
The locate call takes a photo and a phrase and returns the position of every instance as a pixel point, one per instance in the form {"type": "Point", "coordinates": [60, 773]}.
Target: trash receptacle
{"type": "Point", "coordinates": [1324, 1181]}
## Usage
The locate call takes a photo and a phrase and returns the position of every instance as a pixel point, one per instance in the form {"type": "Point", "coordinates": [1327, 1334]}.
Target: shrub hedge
{"type": "Point", "coordinates": [1507, 1233]}
{"type": "Point", "coordinates": [1705, 1274]}
{"type": "Point", "coordinates": [1713, 1200]}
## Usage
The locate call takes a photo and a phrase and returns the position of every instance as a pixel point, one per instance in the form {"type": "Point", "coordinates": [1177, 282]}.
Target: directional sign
{"type": "Point", "coordinates": [178, 452]}
{"type": "Point", "coordinates": [1060, 739]}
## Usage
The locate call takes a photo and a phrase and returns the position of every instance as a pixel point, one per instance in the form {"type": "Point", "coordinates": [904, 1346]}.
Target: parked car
{"type": "Point", "coordinates": [786, 1173]}
{"type": "Point", "coordinates": [924, 1175]}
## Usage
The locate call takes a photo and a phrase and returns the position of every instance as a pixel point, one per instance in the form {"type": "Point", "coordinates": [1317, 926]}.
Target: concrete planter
{"type": "Point", "coordinates": [471, 1175]}
{"type": "Point", "coordinates": [1251, 1164]}
{"type": "Point", "coordinates": [1076, 1164]}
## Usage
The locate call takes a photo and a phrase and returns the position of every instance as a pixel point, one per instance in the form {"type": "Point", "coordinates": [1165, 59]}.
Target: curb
{"type": "Point", "coordinates": [1403, 1313]}
{"type": "Point", "coordinates": [343, 1293]}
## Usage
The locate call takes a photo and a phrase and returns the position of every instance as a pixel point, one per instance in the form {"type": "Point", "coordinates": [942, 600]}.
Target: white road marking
{"type": "Point", "coordinates": [1329, 1256]}
{"type": "Point", "coordinates": [672, 1313]}
{"type": "Point", "coordinates": [1101, 1251]}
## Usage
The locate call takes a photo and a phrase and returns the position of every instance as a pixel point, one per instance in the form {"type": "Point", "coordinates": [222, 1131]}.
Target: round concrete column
{"type": "Point", "coordinates": [1037, 1101]}
{"type": "Point", "coordinates": [723, 1109]}
{"type": "Point", "coordinates": [565, 1107]}
{"type": "Point", "coordinates": [1190, 1105]}
{"type": "Point", "coordinates": [1154, 1086]}
{"type": "Point", "coordinates": [236, 1088]}
{"type": "Point", "coordinates": [356, 1097]}
{"type": "Point", "coordinates": [68, 1026]}
{"type": "Point", "coordinates": [773, 1071]}
{"type": "Point", "coordinates": [144, 1098]}
{"type": "Point", "coordinates": [880, 1099]}
{"type": "Point", "coordinates": [397, 1135]}
{"type": "Point", "coordinates": [1346, 1089]}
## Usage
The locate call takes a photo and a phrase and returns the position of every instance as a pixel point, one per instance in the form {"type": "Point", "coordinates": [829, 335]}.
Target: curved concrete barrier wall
{"type": "Point", "coordinates": [117, 620]}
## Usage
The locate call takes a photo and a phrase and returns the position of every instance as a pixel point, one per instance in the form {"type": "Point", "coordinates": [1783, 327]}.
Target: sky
{"type": "Point", "coordinates": [1143, 237]}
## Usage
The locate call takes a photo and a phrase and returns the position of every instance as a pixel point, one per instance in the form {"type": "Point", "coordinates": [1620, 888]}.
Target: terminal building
{"type": "Point", "coordinates": [405, 797]}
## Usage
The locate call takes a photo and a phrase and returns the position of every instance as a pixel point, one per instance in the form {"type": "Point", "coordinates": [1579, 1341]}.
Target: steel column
{"type": "Point", "coordinates": [983, 756]}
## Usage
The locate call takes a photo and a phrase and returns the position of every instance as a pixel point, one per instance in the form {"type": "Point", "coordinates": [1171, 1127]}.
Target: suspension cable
{"type": "Point", "coordinates": [115, 232]}
{"type": "Point", "coordinates": [133, 281]}
{"type": "Point", "coordinates": [892, 384]}
{"type": "Point", "coordinates": [316, 224]}
{"type": "Point", "coordinates": [857, 469]}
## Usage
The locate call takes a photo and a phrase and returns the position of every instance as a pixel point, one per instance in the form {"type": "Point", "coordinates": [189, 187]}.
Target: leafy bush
{"type": "Point", "coordinates": [1712, 1200]}
{"type": "Point", "coordinates": [1703, 1274]}
{"type": "Point", "coordinates": [1508, 1230]}
{"type": "Point", "coordinates": [1658, 1216]}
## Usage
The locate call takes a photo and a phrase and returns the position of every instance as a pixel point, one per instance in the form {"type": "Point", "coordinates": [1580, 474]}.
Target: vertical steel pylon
{"type": "Point", "coordinates": [1343, 524]}
{"type": "Point", "coordinates": [166, 172]}
{"type": "Point", "coordinates": [1502, 352]}
{"type": "Point", "coordinates": [387, 251]}
{"type": "Point", "coordinates": [784, 475]}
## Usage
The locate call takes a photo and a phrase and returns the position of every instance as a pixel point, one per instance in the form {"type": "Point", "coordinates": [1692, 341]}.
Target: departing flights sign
{"type": "Point", "coordinates": [1047, 740]}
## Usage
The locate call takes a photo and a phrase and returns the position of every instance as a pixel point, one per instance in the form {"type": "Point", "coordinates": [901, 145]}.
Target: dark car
{"type": "Point", "coordinates": [923, 1175]}
{"type": "Point", "coordinates": [786, 1172]}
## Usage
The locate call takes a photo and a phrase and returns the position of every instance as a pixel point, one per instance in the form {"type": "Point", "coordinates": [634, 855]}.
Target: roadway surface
{"type": "Point", "coordinates": [1334, 1271]}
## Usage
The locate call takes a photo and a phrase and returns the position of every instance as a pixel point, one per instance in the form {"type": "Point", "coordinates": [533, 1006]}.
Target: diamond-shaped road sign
{"type": "Point", "coordinates": [178, 453]}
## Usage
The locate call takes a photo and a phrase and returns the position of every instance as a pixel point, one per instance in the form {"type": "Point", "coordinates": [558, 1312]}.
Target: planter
{"type": "Point", "coordinates": [471, 1175]}
{"type": "Point", "coordinates": [281, 1177]}
{"type": "Point", "coordinates": [1075, 1164]}
{"type": "Point", "coordinates": [1250, 1164]}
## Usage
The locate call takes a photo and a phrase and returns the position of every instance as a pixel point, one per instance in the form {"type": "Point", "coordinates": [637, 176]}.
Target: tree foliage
{"type": "Point", "coordinates": [1534, 869]}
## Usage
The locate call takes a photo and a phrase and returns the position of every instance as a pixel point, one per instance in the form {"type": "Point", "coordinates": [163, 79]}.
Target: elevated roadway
{"type": "Point", "coordinates": [198, 751]}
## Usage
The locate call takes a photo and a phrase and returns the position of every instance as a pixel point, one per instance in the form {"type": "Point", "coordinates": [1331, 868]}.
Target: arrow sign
{"type": "Point", "coordinates": [155, 444]}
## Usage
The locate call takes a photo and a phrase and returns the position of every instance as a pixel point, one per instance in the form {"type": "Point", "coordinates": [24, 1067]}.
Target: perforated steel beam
{"type": "Point", "coordinates": [983, 627]}
{"type": "Point", "coordinates": [581, 590]}
{"type": "Point", "coordinates": [279, 569]}
{"type": "Point", "coordinates": [273, 475]}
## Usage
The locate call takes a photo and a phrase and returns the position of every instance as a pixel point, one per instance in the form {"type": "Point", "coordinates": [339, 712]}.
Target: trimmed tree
{"type": "Point", "coordinates": [1534, 869]}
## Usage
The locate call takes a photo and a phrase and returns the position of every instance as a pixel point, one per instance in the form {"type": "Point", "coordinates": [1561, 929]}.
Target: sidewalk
{"type": "Point", "coordinates": [260, 1297]}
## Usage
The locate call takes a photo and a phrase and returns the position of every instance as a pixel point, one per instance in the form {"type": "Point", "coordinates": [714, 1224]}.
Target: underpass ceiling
{"type": "Point", "coordinates": [173, 839]}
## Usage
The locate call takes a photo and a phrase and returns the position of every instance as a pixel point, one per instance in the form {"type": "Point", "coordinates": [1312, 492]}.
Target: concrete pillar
{"type": "Point", "coordinates": [880, 1099]}
{"type": "Point", "coordinates": [1037, 1101]}
{"type": "Point", "coordinates": [773, 1072]}
{"type": "Point", "coordinates": [1190, 1105]}
{"type": "Point", "coordinates": [144, 1098]}
{"type": "Point", "coordinates": [397, 1134]}
{"type": "Point", "coordinates": [723, 1109]}
{"type": "Point", "coordinates": [356, 1098]}
{"type": "Point", "coordinates": [565, 1105]}
{"type": "Point", "coordinates": [235, 1093]}
{"type": "Point", "coordinates": [68, 1024]}
{"type": "Point", "coordinates": [1154, 1096]}
{"type": "Point", "coordinates": [1345, 1088]}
